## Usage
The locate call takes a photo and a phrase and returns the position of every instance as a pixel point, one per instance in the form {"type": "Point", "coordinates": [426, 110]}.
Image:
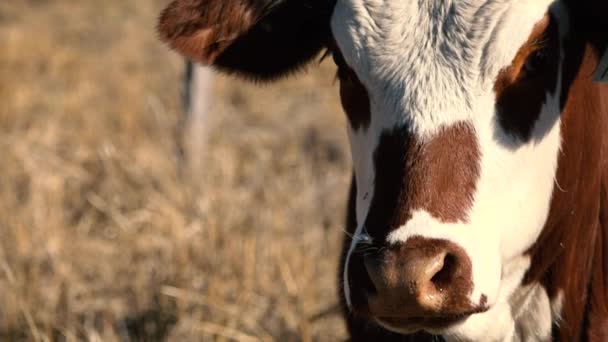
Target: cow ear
{"type": "Point", "coordinates": [258, 39]}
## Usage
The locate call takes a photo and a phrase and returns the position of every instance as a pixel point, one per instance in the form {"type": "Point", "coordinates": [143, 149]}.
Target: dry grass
{"type": "Point", "coordinates": [104, 236]}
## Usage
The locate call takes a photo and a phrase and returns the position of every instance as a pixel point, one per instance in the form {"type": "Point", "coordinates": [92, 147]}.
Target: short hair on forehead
{"type": "Point", "coordinates": [408, 52]}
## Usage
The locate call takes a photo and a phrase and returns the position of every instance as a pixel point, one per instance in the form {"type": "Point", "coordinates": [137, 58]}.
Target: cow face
{"type": "Point", "coordinates": [453, 110]}
{"type": "Point", "coordinates": [455, 155]}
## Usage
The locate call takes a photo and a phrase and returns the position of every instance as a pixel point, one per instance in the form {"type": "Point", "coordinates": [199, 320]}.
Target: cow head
{"type": "Point", "coordinates": [454, 123]}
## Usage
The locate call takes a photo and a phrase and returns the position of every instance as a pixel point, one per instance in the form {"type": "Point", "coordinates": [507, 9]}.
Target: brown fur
{"type": "Point", "coordinates": [439, 176]}
{"type": "Point", "coordinates": [570, 256]}
{"type": "Point", "coordinates": [193, 27]}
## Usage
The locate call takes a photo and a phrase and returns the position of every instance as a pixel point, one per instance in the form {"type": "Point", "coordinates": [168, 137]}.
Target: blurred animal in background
{"type": "Point", "coordinates": [479, 204]}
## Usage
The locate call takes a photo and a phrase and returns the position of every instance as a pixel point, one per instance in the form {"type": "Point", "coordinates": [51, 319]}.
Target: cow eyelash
{"type": "Point", "coordinates": [540, 43]}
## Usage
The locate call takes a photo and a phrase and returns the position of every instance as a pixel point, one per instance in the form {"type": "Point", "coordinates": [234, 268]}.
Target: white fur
{"type": "Point", "coordinates": [556, 308]}
{"type": "Point", "coordinates": [430, 64]}
{"type": "Point", "coordinates": [522, 314]}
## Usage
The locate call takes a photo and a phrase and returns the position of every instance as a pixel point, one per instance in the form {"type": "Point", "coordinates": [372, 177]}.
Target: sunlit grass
{"type": "Point", "coordinates": [104, 236]}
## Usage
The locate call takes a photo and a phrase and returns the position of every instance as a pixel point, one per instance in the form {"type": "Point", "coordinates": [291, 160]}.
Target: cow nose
{"type": "Point", "coordinates": [424, 278]}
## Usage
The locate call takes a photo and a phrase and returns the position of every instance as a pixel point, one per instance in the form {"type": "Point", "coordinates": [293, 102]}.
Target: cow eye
{"type": "Point", "coordinates": [535, 62]}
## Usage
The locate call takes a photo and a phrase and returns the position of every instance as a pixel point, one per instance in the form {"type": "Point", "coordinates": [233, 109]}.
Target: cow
{"type": "Point", "coordinates": [478, 209]}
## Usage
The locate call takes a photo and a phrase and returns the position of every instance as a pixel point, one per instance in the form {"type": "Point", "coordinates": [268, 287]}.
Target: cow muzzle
{"type": "Point", "coordinates": [420, 284]}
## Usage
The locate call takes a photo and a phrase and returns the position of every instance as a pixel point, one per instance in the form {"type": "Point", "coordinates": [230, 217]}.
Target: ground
{"type": "Point", "coordinates": [106, 235]}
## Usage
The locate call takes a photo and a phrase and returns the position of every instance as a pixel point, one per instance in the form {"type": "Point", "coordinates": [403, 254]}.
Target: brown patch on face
{"type": "Point", "coordinates": [353, 95]}
{"type": "Point", "coordinates": [521, 88]}
{"type": "Point", "coordinates": [439, 176]}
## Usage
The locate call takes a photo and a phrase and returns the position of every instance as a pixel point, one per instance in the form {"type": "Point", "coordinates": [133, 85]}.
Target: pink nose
{"type": "Point", "coordinates": [420, 280]}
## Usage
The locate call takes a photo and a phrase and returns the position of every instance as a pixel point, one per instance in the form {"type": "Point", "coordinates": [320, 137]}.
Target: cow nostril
{"type": "Point", "coordinates": [444, 277]}
{"type": "Point", "coordinates": [421, 279]}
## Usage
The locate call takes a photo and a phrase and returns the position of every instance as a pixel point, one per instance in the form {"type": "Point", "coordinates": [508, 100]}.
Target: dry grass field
{"type": "Point", "coordinates": [104, 233]}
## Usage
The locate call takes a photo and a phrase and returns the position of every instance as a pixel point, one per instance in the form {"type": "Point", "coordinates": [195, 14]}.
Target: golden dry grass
{"type": "Point", "coordinates": [105, 237]}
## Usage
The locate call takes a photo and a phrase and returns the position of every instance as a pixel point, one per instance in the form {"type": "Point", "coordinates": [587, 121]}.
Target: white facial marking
{"type": "Point", "coordinates": [431, 64]}
{"type": "Point", "coordinates": [498, 324]}
{"type": "Point", "coordinates": [533, 315]}
{"type": "Point", "coordinates": [520, 314]}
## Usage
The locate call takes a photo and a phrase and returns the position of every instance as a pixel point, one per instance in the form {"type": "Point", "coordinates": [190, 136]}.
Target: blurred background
{"type": "Point", "coordinates": [113, 228]}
